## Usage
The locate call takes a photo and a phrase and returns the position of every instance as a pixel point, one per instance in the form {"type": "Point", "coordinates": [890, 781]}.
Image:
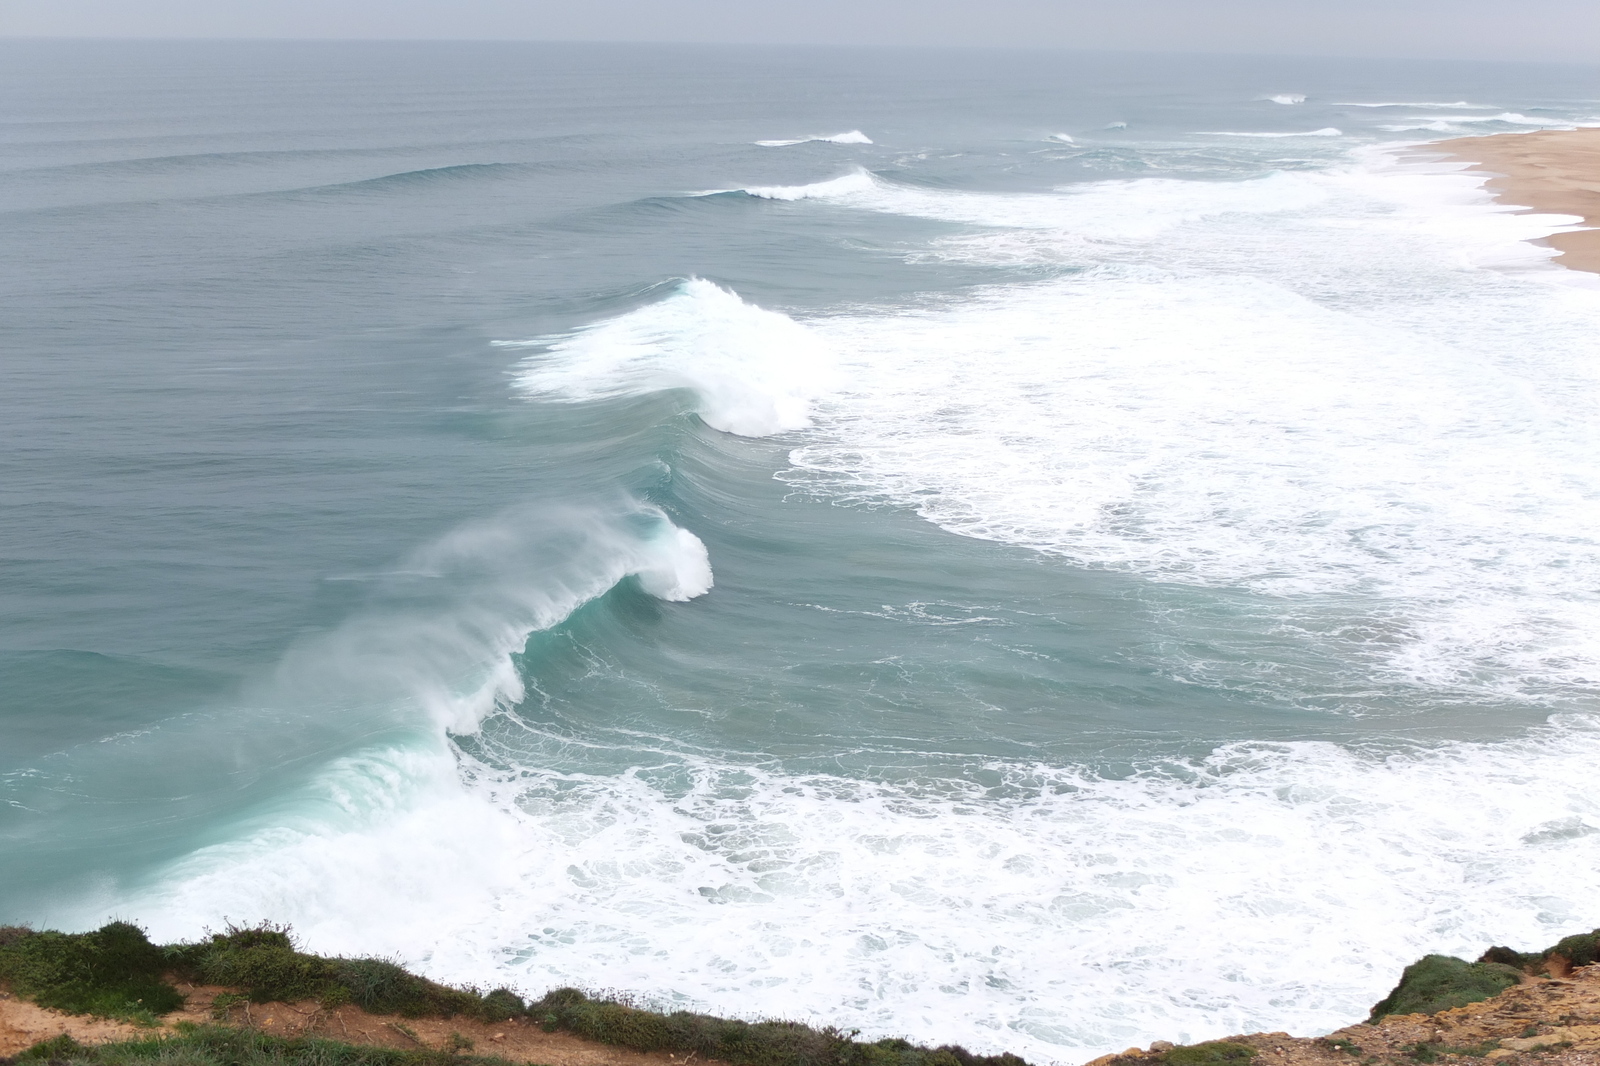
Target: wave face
{"type": "Point", "coordinates": [1045, 592]}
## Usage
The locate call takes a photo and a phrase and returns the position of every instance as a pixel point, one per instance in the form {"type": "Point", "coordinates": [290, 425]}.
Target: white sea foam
{"type": "Point", "coordinates": [1307, 386]}
{"type": "Point", "coordinates": [701, 338]}
{"type": "Point", "coordinates": [1237, 405]}
{"type": "Point", "coordinates": [1326, 131]}
{"type": "Point", "coordinates": [1114, 210]}
{"type": "Point", "coordinates": [1061, 138]}
{"type": "Point", "coordinates": [855, 181]}
{"type": "Point", "coordinates": [1426, 103]}
{"type": "Point", "coordinates": [1269, 886]}
{"type": "Point", "coordinates": [1510, 118]}
{"type": "Point", "coordinates": [852, 137]}
{"type": "Point", "coordinates": [1288, 98]}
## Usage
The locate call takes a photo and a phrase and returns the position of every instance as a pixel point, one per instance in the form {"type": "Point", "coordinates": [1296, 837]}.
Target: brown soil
{"type": "Point", "coordinates": [22, 1025]}
{"type": "Point", "coordinates": [1539, 1023]}
{"type": "Point", "coordinates": [1552, 171]}
{"type": "Point", "coordinates": [1542, 1022]}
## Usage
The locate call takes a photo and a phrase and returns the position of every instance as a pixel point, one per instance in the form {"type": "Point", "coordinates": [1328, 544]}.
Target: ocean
{"type": "Point", "coordinates": [1034, 550]}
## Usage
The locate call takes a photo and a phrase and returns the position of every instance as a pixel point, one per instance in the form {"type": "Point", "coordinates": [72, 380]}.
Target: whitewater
{"type": "Point", "coordinates": [1045, 577]}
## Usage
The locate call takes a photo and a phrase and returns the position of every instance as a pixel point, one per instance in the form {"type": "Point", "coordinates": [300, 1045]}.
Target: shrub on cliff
{"type": "Point", "coordinates": [1582, 949]}
{"type": "Point", "coordinates": [736, 1042]}
{"type": "Point", "coordinates": [216, 1046]}
{"type": "Point", "coordinates": [1211, 1053]}
{"type": "Point", "coordinates": [262, 962]}
{"type": "Point", "coordinates": [1439, 982]}
{"type": "Point", "coordinates": [114, 972]}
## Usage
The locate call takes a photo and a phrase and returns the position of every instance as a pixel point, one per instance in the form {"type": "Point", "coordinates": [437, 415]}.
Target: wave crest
{"type": "Point", "coordinates": [753, 372]}
{"type": "Point", "coordinates": [850, 137]}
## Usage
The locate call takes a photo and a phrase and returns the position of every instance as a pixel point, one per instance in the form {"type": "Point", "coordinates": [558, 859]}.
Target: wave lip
{"type": "Point", "coordinates": [1288, 98]}
{"type": "Point", "coordinates": [857, 181]}
{"type": "Point", "coordinates": [848, 137]}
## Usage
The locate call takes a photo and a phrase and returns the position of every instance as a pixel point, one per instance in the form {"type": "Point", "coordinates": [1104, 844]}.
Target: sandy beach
{"type": "Point", "coordinates": [1552, 171]}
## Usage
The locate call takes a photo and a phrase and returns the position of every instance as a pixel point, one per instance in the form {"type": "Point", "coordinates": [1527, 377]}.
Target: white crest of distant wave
{"type": "Point", "coordinates": [1288, 98]}
{"type": "Point", "coordinates": [849, 137]}
{"type": "Point", "coordinates": [1326, 131]}
{"type": "Point", "coordinates": [1137, 210]}
{"type": "Point", "coordinates": [1426, 103]}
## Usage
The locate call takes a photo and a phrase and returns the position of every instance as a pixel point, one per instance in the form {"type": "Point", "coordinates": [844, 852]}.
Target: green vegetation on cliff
{"type": "Point", "coordinates": [1438, 982]}
{"type": "Point", "coordinates": [113, 972]}
{"type": "Point", "coordinates": [1211, 1053]}
{"type": "Point", "coordinates": [116, 972]}
{"type": "Point", "coordinates": [211, 1045]}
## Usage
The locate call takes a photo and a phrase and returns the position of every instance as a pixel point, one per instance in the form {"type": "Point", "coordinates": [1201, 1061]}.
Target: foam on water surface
{"type": "Point", "coordinates": [1046, 911]}
{"type": "Point", "coordinates": [1354, 394]}
{"type": "Point", "coordinates": [1351, 399]}
{"type": "Point", "coordinates": [1216, 402]}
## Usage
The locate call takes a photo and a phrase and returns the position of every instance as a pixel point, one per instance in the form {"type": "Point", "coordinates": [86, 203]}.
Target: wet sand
{"type": "Point", "coordinates": [1551, 172]}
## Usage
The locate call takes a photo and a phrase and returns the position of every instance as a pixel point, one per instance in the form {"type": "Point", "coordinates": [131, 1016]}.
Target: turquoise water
{"type": "Point", "coordinates": [1041, 551]}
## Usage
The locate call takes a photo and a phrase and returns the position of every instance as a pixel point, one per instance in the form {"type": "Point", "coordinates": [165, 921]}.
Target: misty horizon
{"type": "Point", "coordinates": [1556, 31]}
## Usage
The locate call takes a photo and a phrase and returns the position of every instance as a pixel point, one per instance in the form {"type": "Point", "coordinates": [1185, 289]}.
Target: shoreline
{"type": "Point", "coordinates": [1546, 172]}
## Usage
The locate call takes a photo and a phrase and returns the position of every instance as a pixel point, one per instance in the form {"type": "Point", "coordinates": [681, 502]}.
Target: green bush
{"type": "Point", "coordinates": [262, 962]}
{"type": "Point", "coordinates": [1580, 950]}
{"type": "Point", "coordinates": [1211, 1053]}
{"type": "Point", "coordinates": [217, 1046]}
{"type": "Point", "coordinates": [1439, 982]}
{"type": "Point", "coordinates": [736, 1042]}
{"type": "Point", "coordinates": [114, 972]}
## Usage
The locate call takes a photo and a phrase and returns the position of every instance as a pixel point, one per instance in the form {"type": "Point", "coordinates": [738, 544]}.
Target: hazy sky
{"type": "Point", "coordinates": [1509, 29]}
